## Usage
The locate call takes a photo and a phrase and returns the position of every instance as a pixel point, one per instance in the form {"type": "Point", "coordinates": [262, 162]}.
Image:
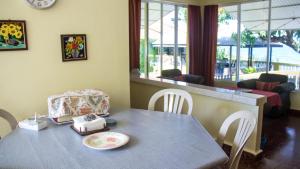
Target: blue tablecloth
{"type": "Point", "coordinates": [157, 141]}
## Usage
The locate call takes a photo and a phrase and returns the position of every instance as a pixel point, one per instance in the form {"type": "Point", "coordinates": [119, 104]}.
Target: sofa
{"type": "Point", "coordinates": [283, 89]}
{"type": "Point", "coordinates": [175, 74]}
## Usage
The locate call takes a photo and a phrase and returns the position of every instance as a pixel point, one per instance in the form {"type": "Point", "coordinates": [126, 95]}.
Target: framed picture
{"type": "Point", "coordinates": [13, 35]}
{"type": "Point", "coordinates": [73, 47]}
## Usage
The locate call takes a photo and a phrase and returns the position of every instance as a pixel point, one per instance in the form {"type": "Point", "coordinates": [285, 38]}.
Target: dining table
{"type": "Point", "coordinates": [158, 140]}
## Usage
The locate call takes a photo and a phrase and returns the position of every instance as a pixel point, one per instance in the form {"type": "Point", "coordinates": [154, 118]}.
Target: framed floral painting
{"type": "Point", "coordinates": [73, 47]}
{"type": "Point", "coordinates": [13, 35]}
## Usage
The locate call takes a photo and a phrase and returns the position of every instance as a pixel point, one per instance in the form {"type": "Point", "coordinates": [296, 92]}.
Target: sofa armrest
{"type": "Point", "coordinates": [247, 84]}
{"type": "Point", "coordinates": [170, 73]}
{"type": "Point", "coordinates": [284, 87]}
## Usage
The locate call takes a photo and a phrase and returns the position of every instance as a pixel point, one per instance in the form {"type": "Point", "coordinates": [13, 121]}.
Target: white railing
{"type": "Point", "coordinates": [295, 79]}
{"type": "Point", "coordinates": [289, 68]}
{"type": "Point", "coordinates": [222, 77]}
{"type": "Point", "coordinates": [293, 72]}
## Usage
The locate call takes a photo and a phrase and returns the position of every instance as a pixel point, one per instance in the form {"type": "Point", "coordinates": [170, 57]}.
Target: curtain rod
{"type": "Point", "coordinates": [171, 2]}
{"type": "Point", "coordinates": [240, 2]}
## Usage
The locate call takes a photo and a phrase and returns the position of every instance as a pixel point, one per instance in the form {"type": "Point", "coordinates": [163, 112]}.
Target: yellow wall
{"type": "Point", "coordinates": [29, 77]}
{"type": "Point", "coordinates": [295, 100]}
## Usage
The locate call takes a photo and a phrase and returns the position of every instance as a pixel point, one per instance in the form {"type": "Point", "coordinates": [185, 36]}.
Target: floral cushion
{"type": "Point", "coordinates": [179, 78]}
{"type": "Point", "coordinates": [79, 102]}
{"type": "Point", "coordinates": [266, 86]}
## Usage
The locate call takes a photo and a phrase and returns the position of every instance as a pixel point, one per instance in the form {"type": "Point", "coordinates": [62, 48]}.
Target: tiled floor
{"type": "Point", "coordinates": [283, 148]}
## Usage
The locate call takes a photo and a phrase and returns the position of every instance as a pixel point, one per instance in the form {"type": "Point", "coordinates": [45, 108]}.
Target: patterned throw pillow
{"type": "Point", "coordinates": [266, 86]}
{"type": "Point", "coordinates": [179, 78]}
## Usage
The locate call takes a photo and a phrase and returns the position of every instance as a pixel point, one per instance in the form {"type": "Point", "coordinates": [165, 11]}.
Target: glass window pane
{"type": "Point", "coordinates": [158, 42]}
{"type": "Point", "coordinates": [168, 37]}
{"type": "Point", "coordinates": [285, 39]}
{"type": "Point", "coordinates": [227, 42]}
{"type": "Point", "coordinates": [254, 25]}
{"type": "Point", "coordinates": [182, 40]}
{"type": "Point", "coordinates": [143, 43]}
{"type": "Point", "coordinates": [154, 34]}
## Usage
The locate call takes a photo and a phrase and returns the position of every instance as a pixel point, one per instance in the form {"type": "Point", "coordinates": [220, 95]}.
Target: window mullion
{"type": "Point", "coordinates": [268, 65]}
{"type": "Point", "coordinates": [147, 39]}
{"type": "Point", "coordinates": [176, 37]}
{"type": "Point", "coordinates": [238, 49]}
{"type": "Point", "coordinates": [161, 36]}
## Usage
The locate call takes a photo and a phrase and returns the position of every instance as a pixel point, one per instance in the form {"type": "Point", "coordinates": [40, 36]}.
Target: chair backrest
{"type": "Point", "coordinates": [173, 100]}
{"type": "Point", "coordinates": [269, 77]}
{"type": "Point", "coordinates": [170, 73]}
{"type": "Point", "coordinates": [247, 123]}
{"type": "Point", "coordinates": [10, 119]}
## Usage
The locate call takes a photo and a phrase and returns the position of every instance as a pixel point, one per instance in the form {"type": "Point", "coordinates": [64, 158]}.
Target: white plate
{"type": "Point", "coordinates": [105, 140]}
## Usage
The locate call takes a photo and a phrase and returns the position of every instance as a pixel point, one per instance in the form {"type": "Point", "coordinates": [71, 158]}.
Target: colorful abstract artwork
{"type": "Point", "coordinates": [73, 47]}
{"type": "Point", "coordinates": [13, 35]}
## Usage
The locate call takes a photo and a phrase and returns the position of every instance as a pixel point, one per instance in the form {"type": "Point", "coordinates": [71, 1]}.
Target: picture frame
{"type": "Point", "coordinates": [13, 35]}
{"type": "Point", "coordinates": [74, 47]}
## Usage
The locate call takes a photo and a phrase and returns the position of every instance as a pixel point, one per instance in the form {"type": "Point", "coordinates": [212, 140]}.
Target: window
{"type": "Point", "coordinates": [154, 32]}
{"type": "Point", "coordinates": [168, 36]}
{"type": "Point", "coordinates": [250, 42]}
{"type": "Point", "coordinates": [285, 26]}
{"type": "Point", "coordinates": [227, 44]}
{"type": "Point", "coordinates": [253, 50]}
{"type": "Point", "coordinates": [182, 40]}
{"type": "Point", "coordinates": [163, 39]}
{"type": "Point", "coordinates": [143, 44]}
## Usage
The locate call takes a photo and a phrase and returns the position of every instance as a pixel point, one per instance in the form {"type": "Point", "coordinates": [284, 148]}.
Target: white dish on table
{"type": "Point", "coordinates": [105, 140]}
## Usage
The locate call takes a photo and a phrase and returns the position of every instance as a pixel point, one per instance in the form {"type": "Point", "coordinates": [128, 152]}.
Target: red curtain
{"type": "Point", "coordinates": [210, 35]}
{"type": "Point", "coordinates": [194, 25]}
{"type": "Point", "coordinates": [134, 33]}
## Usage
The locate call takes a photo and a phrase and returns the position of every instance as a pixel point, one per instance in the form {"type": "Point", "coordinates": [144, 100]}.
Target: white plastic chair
{"type": "Point", "coordinates": [171, 105]}
{"type": "Point", "coordinates": [247, 123]}
{"type": "Point", "coordinates": [10, 119]}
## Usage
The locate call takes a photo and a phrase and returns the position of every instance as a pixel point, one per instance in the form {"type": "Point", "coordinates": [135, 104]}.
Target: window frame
{"type": "Point", "coordinates": [238, 50]}
{"type": "Point", "coordinates": [161, 48]}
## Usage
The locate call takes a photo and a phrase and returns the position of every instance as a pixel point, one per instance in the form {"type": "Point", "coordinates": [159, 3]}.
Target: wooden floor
{"type": "Point", "coordinates": [283, 148]}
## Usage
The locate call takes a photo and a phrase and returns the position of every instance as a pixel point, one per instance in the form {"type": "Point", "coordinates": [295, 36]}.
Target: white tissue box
{"type": "Point", "coordinates": [32, 124]}
{"type": "Point", "coordinates": [82, 125]}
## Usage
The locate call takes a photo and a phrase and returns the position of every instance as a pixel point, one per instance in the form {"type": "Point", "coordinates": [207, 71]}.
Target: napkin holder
{"type": "Point", "coordinates": [33, 124]}
{"type": "Point", "coordinates": [85, 132]}
{"type": "Point", "coordinates": [89, 124]}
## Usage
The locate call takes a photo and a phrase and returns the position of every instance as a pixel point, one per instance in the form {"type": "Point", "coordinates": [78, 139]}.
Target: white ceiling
{"type": "Point", "coordinates": [154, 12]}
{"type": "Point", "coordinates": [168, 24]}
{"type": "Point", "coordinates": [285, 14]}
